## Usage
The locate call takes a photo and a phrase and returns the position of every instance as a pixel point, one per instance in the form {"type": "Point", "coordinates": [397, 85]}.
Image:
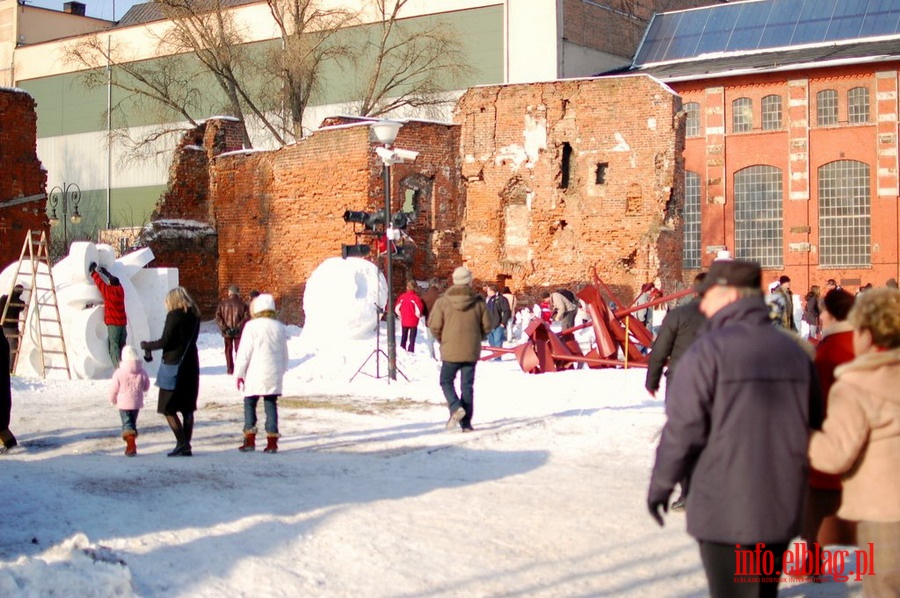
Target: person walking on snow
{"type": "Point", "coordinates": [231, 315]}
{"type": "Point", "coordinates": [738, 411]}
{"type": "Point", "coordinates": [126, 391]}
{"type": "Point", "coordinates": [260, 365]}
{"type": "Point", "coordinates": [7, 440]}
{"type": "Point", "coordinates": [460, 321]}
{"type": "Point", "coordinates": [409, 308]}
{"type": "Point", "coordinates": [113, 310]}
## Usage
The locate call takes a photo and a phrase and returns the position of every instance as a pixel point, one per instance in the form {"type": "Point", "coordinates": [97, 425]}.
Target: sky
{"type": "Point", "coordinates": [368, 495]}
{"type": "Point", "coordinates": [111, 10]}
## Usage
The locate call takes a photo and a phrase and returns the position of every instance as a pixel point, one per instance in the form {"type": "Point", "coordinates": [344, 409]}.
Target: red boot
{"type": "Point", "coordinates": [130, 439]}
{"type": "Point", "coordinates": [271, 444]}
{"type": "Point", "coordinates": [249, 442]}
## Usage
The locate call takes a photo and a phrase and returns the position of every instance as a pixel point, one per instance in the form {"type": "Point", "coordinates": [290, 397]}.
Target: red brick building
{"type": "Point", "coordinates": [791, 150]}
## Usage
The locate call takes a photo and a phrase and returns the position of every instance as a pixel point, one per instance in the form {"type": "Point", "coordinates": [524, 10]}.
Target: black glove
{"type": "Point", "coordinates": [654, 505]}
{"type": "Point", "coordinates": [148, 356]}
{"type": "Point", "coordinates": [145, 345]}
{"type": "Point", "coordinates": [92, 267]}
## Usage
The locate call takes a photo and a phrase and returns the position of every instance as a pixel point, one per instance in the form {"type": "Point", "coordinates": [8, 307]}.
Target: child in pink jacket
{"type": "Point", "coordinates": [129, 383]}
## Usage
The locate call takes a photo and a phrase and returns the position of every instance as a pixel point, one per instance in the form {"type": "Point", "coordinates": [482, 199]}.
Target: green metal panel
{"type": "Point", "coordinates": [65, 106]}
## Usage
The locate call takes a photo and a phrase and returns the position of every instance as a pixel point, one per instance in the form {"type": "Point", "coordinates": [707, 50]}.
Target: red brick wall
{"type": "Point", "coordinates": [22, 175]}
{"type": "Point", "coordinates": [523, 230]}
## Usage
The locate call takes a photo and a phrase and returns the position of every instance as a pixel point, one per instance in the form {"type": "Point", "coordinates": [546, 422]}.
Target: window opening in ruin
{"type": "Point", "coordinates": [691, 250]}
{"type": "Point", "coordinates": [759, 216]}
{"type": "Point", "coordinates": [411, 201]}
{"type": "Point", "coordinates": [566, 168]}
{"type": "Point", "coordinates": [844, 214]}
{"type": "Point", "coordinates": [600, 173]}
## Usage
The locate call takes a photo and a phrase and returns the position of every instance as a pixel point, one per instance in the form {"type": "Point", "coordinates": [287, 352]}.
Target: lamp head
{"type": "Point", "coordinates": [386, 130]}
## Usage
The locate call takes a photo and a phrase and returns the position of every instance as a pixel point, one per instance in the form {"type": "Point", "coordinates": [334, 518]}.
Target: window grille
{"type": "Point", "coordinates": [692, 123]}
{"type": "Point", "coordinates": [742, 115]}
{"type": "Point", "coordinates": [758, 215]}
{"type": "Point", "coordinates": [858, 105]}
{"type": "Point", "coordinates": [771, 113]}
{"type": "Point", "coordinates": [691, 252]}
{"type": "Point", "coordinates": [844, 214]}
{"type": "Point", "coordinates": [827, 108]}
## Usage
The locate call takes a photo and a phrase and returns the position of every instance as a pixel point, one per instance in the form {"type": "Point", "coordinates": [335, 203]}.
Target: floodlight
{"type": "Point", "coordinates": [354, 251]}
{"type": "Point", "coordinates": [351, 216]}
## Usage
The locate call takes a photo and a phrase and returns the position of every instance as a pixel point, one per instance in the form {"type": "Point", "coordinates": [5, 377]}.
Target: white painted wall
{"type": "Point", "coordinates": [533, 45]}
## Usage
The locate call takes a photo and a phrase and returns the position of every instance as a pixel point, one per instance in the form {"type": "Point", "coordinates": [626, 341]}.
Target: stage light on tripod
{"type": "Point", "coordinates": [400, 220]}
{"type": "Point", "coordinates": [354, 251]}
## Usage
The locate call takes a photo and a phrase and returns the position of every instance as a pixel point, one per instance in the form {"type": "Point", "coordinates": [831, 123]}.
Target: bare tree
{"type": "Point", "coordinates": [407, 64]}
{"type": "Point", "coordinates": [308, 41]}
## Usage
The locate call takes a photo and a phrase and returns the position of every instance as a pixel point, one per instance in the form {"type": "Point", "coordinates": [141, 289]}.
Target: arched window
{"type": "Point", "coordinates": [844, 214]}
{"type": "Point", "coordinates": [758, 215]}
{"type": "Point", "coordinates": [742, 115]}
{"type": "Point", "coordinates": [691, 254]}
{"type": "Point", "coordinates": [692, 123]}
{"type": "Point", "coordinates": [827, 107]}
{"type": "Point", "coordinates": [858, 105]}
{"type": "Point", "coordinates": [771, 113]}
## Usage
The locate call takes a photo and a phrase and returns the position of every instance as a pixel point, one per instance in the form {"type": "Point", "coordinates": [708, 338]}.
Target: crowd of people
{"type": "Point", "coordinates": [773, 433]}
{"type": "Point", "coordinates": [774, 430]}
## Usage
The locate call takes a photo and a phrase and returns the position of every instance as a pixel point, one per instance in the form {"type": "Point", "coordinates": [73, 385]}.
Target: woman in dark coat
{"type": "Point", "coordinates": [179, 338]}
{"type": "Point", "coordinates": [7, 440]}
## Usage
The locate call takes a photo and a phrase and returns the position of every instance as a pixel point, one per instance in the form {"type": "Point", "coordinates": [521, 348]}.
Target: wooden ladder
{"type": "Point", "coordinates": [42, 294]}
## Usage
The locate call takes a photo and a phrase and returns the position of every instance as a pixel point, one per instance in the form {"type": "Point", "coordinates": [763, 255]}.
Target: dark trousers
{"type": "Point", "coordinates": [12, 335]}
{"type": "Point", "coordinates": [466, 397]}
{"type": "Point", "coordinates": [231, 347]}
{"type": "Point", "coordinates": [129, 419]}
{"type": "Point", "coordinates": [117, 335]}
{"type": "Point", "coordinates": [409, 332]}
{"type": "Point", "coordinates": [720, 564]}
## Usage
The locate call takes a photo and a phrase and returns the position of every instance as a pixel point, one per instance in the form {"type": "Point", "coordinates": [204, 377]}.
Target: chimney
{"type": "Point", "coordinates": [74, 8]}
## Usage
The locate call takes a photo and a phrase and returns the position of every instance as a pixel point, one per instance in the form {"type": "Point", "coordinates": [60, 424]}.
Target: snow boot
{"type": "Point", "coordinates": [271, 444]}
{"type": "Point", "coordinates": [130, 446]}
{"type": "Point", "coordinates": [7, 440]}
{"type": "Point", "coordinates": [249, 442]}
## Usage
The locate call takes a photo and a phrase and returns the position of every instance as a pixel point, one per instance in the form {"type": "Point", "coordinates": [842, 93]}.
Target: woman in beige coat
{"type": "Point", "coordinates": [861, 435]}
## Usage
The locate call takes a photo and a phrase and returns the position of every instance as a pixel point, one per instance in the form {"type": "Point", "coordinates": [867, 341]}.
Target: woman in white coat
{"type": "Point", "coordinates": [259, 368]}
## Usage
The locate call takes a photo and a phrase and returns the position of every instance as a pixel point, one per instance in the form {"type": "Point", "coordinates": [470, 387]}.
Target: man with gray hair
{"type": "Point", "coordinates": [459, 321]}
{"type": "Point", "coordinates": [231, 316]}
{"type": "Point", "coordinates": [739, 411]}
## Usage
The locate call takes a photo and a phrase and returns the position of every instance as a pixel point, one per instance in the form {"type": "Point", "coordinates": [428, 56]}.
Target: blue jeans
{"type": "Point", "coordinates": [129, 419]}
{"type": "Point", "coordinates": [466, 397]}
{"type": "Point", "coordinates": [270, 403]}
{"type": "Point", "coordinates": [496, 336]}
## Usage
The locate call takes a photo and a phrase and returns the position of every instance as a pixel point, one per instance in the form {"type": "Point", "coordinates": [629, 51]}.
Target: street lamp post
{"type": "Point", "coordinates": [68, 194]}
{"type": "Point", "coordinates": [386, 132]}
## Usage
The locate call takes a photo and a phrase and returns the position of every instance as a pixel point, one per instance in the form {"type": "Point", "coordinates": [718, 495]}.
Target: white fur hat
{"type": "Point", "coordinates": [129, 354]}
{"type": "Point", "coordinates": [264, 302]}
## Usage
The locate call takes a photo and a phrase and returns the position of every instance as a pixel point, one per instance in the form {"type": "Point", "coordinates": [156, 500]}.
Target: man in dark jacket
{"type": "Point", "coordinates": [676, 334]}
{"type": "Point", "coordinates": [11, 322]}
{"type": "Point", "coordinates": [7, 440]}
{"type": "Point", "coordinates": [231, 315]}
{"type": "Point", "coordinates": [459, 321]}
{"type": "Point", "coordinates": [113, 310]}
{"type": "Point", "coordinates": [498, 307]}
{"type": "Point", "coordinates": [739, 411]}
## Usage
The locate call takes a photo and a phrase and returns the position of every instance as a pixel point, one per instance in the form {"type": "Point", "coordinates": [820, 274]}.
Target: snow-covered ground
{"type": "Point", "coordinates": [368, 496]}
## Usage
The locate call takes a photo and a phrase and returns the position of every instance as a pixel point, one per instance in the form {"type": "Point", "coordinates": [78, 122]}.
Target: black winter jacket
{"type": "Point", "coordinates": [739, 412]}
{"type": "Point", "coordinates": [179, 337]}
{"type": "Point", "coordinates": [676, 334]}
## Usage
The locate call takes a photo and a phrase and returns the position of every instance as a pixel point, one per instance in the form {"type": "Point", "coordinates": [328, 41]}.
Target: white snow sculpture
{"type": "Point", "coordinates": [341, 302]}
{"type": "Point", "coordinates": [81, 309]}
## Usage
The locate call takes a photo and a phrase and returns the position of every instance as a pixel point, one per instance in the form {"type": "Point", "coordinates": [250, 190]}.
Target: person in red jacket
{"type": "Point", "coordinates": [409, 308]}
{"type": "Point", "coordinates": [820, 522]}
{"type": "Point", "coordinates": [113, 310]}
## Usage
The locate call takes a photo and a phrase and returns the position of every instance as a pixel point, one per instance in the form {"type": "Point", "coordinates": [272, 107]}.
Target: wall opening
{"type": "Point", "coordinates": [566, 166]}
{"type": "Point", "coordinates": [600, 173]}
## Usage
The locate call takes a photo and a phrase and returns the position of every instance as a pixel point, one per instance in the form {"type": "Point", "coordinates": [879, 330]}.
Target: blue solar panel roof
{"type": "Point", "coordinates": [764, 25]}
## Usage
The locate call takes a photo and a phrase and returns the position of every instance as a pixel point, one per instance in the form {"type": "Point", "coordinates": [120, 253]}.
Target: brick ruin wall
{"type": "Point", "coordinates": [486, 192]}
{"type": "Point", "coordinates": [23, 176]}
{"type": "Point", "coordinates": [537, 216]}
